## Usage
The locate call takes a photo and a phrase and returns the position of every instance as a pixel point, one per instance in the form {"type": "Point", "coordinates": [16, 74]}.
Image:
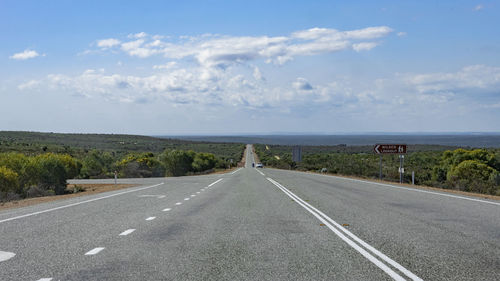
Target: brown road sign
{"type": "Point", "coordinates": [390, 148]}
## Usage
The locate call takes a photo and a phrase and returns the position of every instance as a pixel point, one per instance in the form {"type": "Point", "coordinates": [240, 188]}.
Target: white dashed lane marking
{"type": "Point", "coordinates": [127, 232]}
{"type": "Point", "coordinates": [178, 203]}
{"type": "Point", "coordinates": [45, 279]}
{"type": "Point", "coordinates": [197, 192]}
{"type": "Point", "coordinates": [192, 195]}
{"type": "Point", "coordinates": [167, 209]}
{"type": "Point", "coordinates": [150, 218]}
{"type": "Point", "coordinates": [6, 256]}
{"type": "Point", "coordinates": [94, 251]}
{"type": "Point", "coordinates": [214, 182]}
{"type": "Point", "coordinates": [186, 199]}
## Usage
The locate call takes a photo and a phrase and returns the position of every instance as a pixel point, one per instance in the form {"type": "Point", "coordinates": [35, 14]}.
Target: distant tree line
{"type": "Point", "coordinates": [474, 170]}
{"type": "Point", "coordinates": [24, 176]}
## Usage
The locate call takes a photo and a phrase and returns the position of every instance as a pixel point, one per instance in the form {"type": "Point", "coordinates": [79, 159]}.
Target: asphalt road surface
{"type": "Point", "coordinates": [254, 224]}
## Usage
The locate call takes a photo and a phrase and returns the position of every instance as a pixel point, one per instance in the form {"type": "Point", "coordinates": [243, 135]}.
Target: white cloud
{"type": "Point", "coordinates": [138, 35]}
{"type": "Point", "coordinates": [27, 54]}
{"type": "Point", "coordinates": [213, 87]}
{"type": "Point", "coordinates": [402, 34]}
{"type": "Point", "coordinates": [168, 65]}
{"type": "Point", "coordinates": [301, 84]}
{"type": "Point", "coordinates": [477, 77]}
{"type": "Point", "coordinates": [108, 43]}
{"type": "Point", "coordinates": [365, 46]}
{"type": "Point", "coordinates": [220, 51]}
{"type": "Point", "coordinates": [257, 74]}
{"type": "Point", "coordinates": [478, 7]}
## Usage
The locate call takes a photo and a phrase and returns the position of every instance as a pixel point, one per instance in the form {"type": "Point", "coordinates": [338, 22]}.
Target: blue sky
{"type": "Point", "coordinates": [226, 67]}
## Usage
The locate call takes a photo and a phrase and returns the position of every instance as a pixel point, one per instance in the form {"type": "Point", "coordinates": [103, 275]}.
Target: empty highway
{"type": "Point", "coordinates": [254, 224]}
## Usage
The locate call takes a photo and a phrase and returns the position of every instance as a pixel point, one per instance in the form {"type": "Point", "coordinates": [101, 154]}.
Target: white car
{"type": "Point", "coordinates": [259, 165]}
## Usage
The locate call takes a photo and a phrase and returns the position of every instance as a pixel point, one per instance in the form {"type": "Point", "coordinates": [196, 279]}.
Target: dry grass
{"type": "Point", "coordinates": [87, 190]}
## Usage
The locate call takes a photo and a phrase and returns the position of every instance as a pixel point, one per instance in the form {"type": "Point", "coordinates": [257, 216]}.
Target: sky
{"type": "Point", "coordinates": [249, 67]}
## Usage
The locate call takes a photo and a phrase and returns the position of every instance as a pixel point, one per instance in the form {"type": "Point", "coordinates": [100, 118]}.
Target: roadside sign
{"type": "Point", "coordinates": [390, 148]}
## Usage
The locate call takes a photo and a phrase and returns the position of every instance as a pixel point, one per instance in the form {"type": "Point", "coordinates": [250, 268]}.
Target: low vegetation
{"type": "Point", "coordinates": [39, 164]}
{"type": "Point", "coordinates": [474, 170]}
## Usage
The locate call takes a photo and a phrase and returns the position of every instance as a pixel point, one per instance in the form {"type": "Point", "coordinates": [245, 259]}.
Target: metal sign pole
{"type": "Point", "coordinates": [401, 169]}
{"type": "Point", "coordinates": [380, 162]}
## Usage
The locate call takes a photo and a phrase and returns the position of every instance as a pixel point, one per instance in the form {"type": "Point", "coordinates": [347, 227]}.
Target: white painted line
{"type": "Point", "coordinates": [178, 203]}
{"type": "Point", "coordinates": [186, 199]}
{"type": "Point", "coordinates": [94, 251]}
{"type": "Point", "coordinates": [78, 203]}
{"type": "Point", "coordinates": [235, 171]}
{"type": "Point", "coordinates": [157, 196]}
{"type": "Point", "coordinates": [192, 195]}
{"type": "Point", "coordinates": [127, 232]}
{"type": "Point", "coordinates": [45, 279]}
{"type": "Point", "coordinates": [6, 256]}
{"type": "Point", "coordinates": [260, 172]}
{"type": "Point", "coordinates": [331, 223]}
{"type": "Point", "coordinates": [214, 182]}
{"type": "Point", "coordinates": [150, 218]}
{"type": "Point", "coordinates": [416, 190]}
{"type": "Point", "coordinates": [167, 209]}
{"type": "Point", "coordinates": [197, 192]}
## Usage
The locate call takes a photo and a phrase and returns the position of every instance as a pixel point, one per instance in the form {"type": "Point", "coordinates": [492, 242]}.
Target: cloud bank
{"type": "Point", "coordinates": [218, 50]}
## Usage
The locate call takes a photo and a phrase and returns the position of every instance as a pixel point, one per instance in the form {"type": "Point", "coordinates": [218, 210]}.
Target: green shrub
{"type": "Point", "coordinates": [50, 172]}
{"type": "Point", "coordinates": [9, 180]}
{"type": "Point", "coordinates": [178, 162]}
{"type": "Point", "coordinates": [203, 162]}
{"type": "Point", "coordinates": [472, 175]}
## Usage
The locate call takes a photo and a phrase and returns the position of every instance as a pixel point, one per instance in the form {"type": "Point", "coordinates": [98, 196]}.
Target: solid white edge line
{"type": "Point", "coordinates": [363, 243]}
{"type": "Point", "coordinates": [320, 216]}
{"type": "Point", "coordinates": [150, 218]}
{"type": "Point", "coordinates": [77, 203]}
{"type": "Point", "coordinates": [413, 189]}
{"type": "Point", "coordinates": [6, 256]}
{"type": "Point", "coordinates": [214, 182]}
{"type": "Point", "coordinates": [94, 251]}
{"type": "Point", "coordinates": [127, 232]}
{"type": "Point", "coordinates": [235, 171]}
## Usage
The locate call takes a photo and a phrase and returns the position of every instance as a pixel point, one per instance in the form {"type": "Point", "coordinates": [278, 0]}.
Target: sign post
{"type": "Point", "coordinates": [380, 162]}
{"type": "Point", "coordinates": [391, 149]}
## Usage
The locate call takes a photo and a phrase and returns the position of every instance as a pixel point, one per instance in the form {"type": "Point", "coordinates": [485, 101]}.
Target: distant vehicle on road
{"type": "Point", "coordinates": [259, 165]}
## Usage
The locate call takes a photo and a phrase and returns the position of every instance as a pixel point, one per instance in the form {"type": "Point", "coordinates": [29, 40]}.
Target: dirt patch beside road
{"type": "Point", "coordinates": [86, 189]}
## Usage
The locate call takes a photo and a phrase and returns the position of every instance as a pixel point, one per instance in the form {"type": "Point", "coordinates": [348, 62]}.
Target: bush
{"type": "Point", "coordinates": [178, 162]}
{"type": "Point", "coordinates": [50, 173]}
{"type": "Point", "coordinates": [9, 180]}
{"type": "Point", "coordinates": [96, 165]}
{"type": "Point", "coordinates": [472, 175]}
{"type": "Point", "coordinates": [141, 165]}
{"type": "Point", "coordinates": [203, 162]}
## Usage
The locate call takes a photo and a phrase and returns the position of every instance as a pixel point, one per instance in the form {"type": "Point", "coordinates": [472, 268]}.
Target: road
{"type": "Point", "coordinates": [254, 224]}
